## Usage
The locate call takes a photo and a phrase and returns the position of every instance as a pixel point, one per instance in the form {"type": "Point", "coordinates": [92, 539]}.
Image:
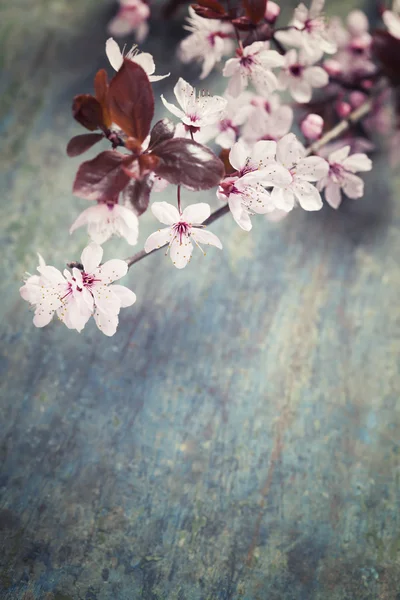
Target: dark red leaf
{"type": "Point", "coordinates": [80, 143]}
{"type": "Point", "coordinates": [386, 50]}
{"type": "Point", "coordinates": [255, 9]}
{"type": "Point", "coordinates": [208, 12]}
{"type": "Point", "coordinates": [137, 193]}
{"type": "Point", "coordinates": [224, 156]}
{"type": "Point", "coordinates": [87, 111]}
{"type": "Point", "coordinates": [212, 4]}
{"type": "Point", "coordinates": [189, 163]}
{"type": "Point", "coordinates": [101, 91]}
{"type": "Point", "coordinates": [162, 130]}
{"type": "Point", "coordinates": [242, 23]}
{"type": "Point", "coordinates": [131, 100]}
{"type": "Point", "coordinates": [102, 178]}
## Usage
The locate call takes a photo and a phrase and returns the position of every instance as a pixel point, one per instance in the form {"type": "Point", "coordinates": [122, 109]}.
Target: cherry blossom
{"type": "Point", "coordinates": [300, 77]}
{"type": "Point", "coordinates": [308, 31]}
{"type": "Point", "coordinates": [78, 294]}
{"type": "Point", "coordinates": [246, 191]}
{"type": "Point", "coordinates": [143, 59]}
{"type": "Point", "coordinates": [196, 111]}
{"type": "Point", "coordinates": [342, 167]}
{"type": "Point", "coordinates": [269, 119]}
{"type": "Point", "coordinates": [353, 43]}
{"type": "Point", "coordinates": [291, 154]}
{"type": "Point", "coordinates": [253, 63]}
{"type": "Point", "coordinates": [105, 220]}
{"type": "Point", "coordinates": [208, 42]}
{"type": "Point", "coordinates": [391, 18]}
{"type": "Point", "coordinates": [183, 229]}
{"type": "Point", "coordinates": [131, 17]}
{"type": "Point", "coordinates": [227, 129]}
{"type": "Point", "coordinates": [312, 126]}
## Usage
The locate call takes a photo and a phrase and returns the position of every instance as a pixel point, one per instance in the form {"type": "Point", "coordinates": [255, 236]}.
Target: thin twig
{"type": "Point", "coordinates": [331, 135]}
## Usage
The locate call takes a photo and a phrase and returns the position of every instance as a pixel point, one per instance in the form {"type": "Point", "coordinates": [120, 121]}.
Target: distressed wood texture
{"type": "Point", "coordinates": [239, 437]}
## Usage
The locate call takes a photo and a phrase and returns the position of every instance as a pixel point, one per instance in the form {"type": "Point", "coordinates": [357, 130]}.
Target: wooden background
{"type": "Point", "coordinates": [238, 438]}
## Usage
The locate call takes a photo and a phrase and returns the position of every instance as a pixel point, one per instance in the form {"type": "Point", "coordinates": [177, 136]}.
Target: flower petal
{"type": "Point", "coordinates": [333, 195]}
{"type": "Point", "coordinates": [172, 108]}
{"type": "Point", "coordinates": [111, 270]}
{"type": "Point", "coordinates": [114, 54]}
{"type": "Point", "coordinates": [91, 257]}
{"type": "Point", "coordinates": [289, 150]}
{"type": "Point", "coordinates": [185, 94]}
{"type": "Point", "coordinates": [312, 168]}
{"type": "Point", "coordinates": [283, 199]}
{"type": "Point", "coordinates": [107, 323]}
{"type": "Point", "coordinates": [206, 237]}
{"type": "Point", "coordinates": [125, 295]}
{"type": "Point", "coordinates": [158, 239]}
{"type": "Point", "coordinates": [181, 252]}
{"type": "Point", "coordinates": [166, 213]}
{"type": "Point", "coordinates": [353, 186]}
{"type": "Point", "coordinates": [357, 162]}
{"type": "Point", "coordinates": [240, 215]}
{"type": "Point", "coordinates": [196, 213]}
{"type": "Point", "coordinates": [307, 194]}
{"type": "Point", "coordinates": [238, 155]}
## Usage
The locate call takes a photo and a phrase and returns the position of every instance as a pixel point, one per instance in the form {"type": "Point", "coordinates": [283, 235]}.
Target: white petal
{"type": "Point", "coordinates": [312, 168]}
{"type": "Point", "coordinates": [333, 195]}
{"type": "Point", "coordinates": [114, 54]}
{"type": "Point", "coordinates": [196, 213]}
{"type": "Point", "coordinates": [206, 237]}
{"type": "Point", "coordinates": [166, 213]}
{"type": "Point", "coordinates": [144, 60]}
{"type": "Point", "coordinates": [184, 93]}
{"type": "Point", "coordinates": [392, 22]}
{"type": "Point", "coordinates": [300, 90]}
{"type": "Point", "coordinates": [289, 150]}
{"type": "Point", "coordinates": [240, 215]}
{"type": "Point", "coordinates": [307, 195]}
{"type": "Point", "coordinates": [181, 253]}
{"type": "Point", "coordinates": [91, 257]}
{"type": "Point", "coordinates": [231, 67]}
{"type": "Point", "coordinates": [353, 186]}
{"type": "Point", "coordinates": [154, 78]}
{"type": "Point", "coordinates": [125, 295]}
{"type": "Point", "coordinates": [172, 108]}
{"type": "Point", "coordinates": [158, 239]}
{"type": "Point", "coordinates": [263, 153]}
{"type": "Point", "coordinates": [107, 323]}
{"type": "Point", "coordinates": [339, 155]}
{"type": "Point", "coordinates": [316, 76]}
{"type": "Point", "coordinates": [112, 270]}
{"type": "Point", "coordinates": [283, 199]}
{"type": "Point", "coordinates": [275, 174]}
{"type": "Point", "coordinates": [357, 162]}
{"type": "Point", "coordinates": [238, 155]}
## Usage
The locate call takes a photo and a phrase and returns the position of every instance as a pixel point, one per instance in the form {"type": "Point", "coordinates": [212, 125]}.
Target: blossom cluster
{"type": "Point", "coordinates": [309, 76]}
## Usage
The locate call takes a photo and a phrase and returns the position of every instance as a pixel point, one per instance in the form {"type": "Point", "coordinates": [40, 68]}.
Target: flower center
{"type": "Point", "coordinates": [182, 228]}
{"type": "Point", "coordinates": [296, 70]}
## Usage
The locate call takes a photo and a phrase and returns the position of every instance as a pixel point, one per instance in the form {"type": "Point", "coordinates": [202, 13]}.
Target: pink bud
{"type": "Point", "coordinates": [332, 67]}
{"type": "Point", "coordinates": [356, 99]}
{"type": "Point", "coordinates": [272, 12]}
{"type": "Point", "coordinates": [343, 109]}
{"type": "Point", "coordinates": [312, 126]}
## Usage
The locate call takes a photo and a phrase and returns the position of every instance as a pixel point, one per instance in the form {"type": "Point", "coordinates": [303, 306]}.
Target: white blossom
{"type": "Point", "coordinates": [253, 63]}
{"type": "Point", "coordinates": [342, 166]}
{"type": "Point", "coordinates": [78, 294]}
{"type": "Point", "coordinates": [104, 220]}
{"type": "Point", "coordinates": [131, 17]}
{"type": "Point", "coordinates": [208, 42]}
{"type": "Point", "coordinates": [246, 191]}
{"type": "Point", "coordinates": [303, 170]}
{"type": "Point", "coordinates": [268, 120]}
{"type": "Point", "coordinates": [183, 229]}
{"type": "Point", "coordinates": [143, 59]}
{"type": "Point", "coordinates": [300, 77]}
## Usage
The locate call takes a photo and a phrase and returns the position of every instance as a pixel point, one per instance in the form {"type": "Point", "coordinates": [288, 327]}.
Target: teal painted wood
{"type": "Point", "coordinates": [239, 437]}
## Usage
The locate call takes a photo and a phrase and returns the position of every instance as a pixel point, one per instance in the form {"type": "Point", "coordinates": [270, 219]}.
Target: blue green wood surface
{"type": "Point", "coordinates": [238, 438]}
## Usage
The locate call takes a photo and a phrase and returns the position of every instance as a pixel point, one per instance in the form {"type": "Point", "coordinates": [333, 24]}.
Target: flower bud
{"type": "Point", "coordinates": [343, 109]}
{"type": "Point", "coordinates": [312, 126]}
{"type": "Point", "coordinates": [272, 12]}
{"type": "Point", "coordinates": [357, 98]}
{"type": "Point", "coordinates": [332, 67]}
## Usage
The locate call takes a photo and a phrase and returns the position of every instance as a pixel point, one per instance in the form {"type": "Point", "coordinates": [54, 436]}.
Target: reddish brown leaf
{"type": "Point", "coordinates": [101, 91]}
{"type": "Point", "coordinates": [102, 178]}
{"type": "Point", "coordinates": [87, 111]}
{"type": "Point", "coordinates": [162, 130]}
{"type": "Point", "coordinates": [242, 23]}
{"type": "Point", "coordinates": [213, 5]}
{"type": "Point", "coordinates": [224, 156]}
{"type": "Point", "coordinates": [209, 9]}
{"type": "Point", "coordinates": [255, 9]}
{"type": "Point", "coordinates": [189, 163]}
{"type": "Point", "coordinates": [80, 143]}
{"type": "Point", "coordinates": [137, 193]}
{"type": "Point", "coordinates": [131, 100]}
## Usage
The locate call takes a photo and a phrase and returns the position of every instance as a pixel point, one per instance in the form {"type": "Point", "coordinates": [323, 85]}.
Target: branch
{"type": "Point", "coordinates": [331, 135]}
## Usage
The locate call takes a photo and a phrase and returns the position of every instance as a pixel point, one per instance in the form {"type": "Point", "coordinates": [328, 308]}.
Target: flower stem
{"type": "Point", "coordinates": [353, 118]}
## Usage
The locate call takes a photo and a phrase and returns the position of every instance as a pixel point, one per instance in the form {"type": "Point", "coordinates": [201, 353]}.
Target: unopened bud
{"type": "Point", "coordinates": [343, 109]}
{"type": "Point", "coordinates": [357, 98]}
{"type": "Point", "coordinates": [272, 12]}
{"type": "Point", "coordinates": [312, 126]}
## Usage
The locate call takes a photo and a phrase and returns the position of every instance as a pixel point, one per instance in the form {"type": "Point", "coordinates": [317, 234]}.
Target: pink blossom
{"type": "Point", "coordinates": [246, 191]}
{"type": "Point", "coordinates": [131, 17]}
{"type": "Point", "coordinates": [391, 18]}
{"type": "Point", "coordinates": [208, 42]}
{"type": "Point", "coordinates": [342, 167]}
{"type": "Point", "coordinates": [309, 32]}
{"type": "Point", "coordinates": [183, 229]}
{"type": "Point", "coordinates": [354, 43]}
{"type": "Point", "coordinates": [300, 77]}
{"type": "Point", "coordinates": [253, 63]}
{"type": "Point", "coordinates": [302, 170]}
{"type": "Point", "coordinates": [227, 129]}
{"type": "Point", "coordinates": [195, 112]}
{"type": "Point", "coordinates": [272, 12]}
{"type": "Point", "coordinates": [143, 59]}
{"type": "Point", "coordinates": [77, 295]}
{"type": "Point", "coordinates": [312, 126]}
{"type": "Point", "coordinates": [105, 220]}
